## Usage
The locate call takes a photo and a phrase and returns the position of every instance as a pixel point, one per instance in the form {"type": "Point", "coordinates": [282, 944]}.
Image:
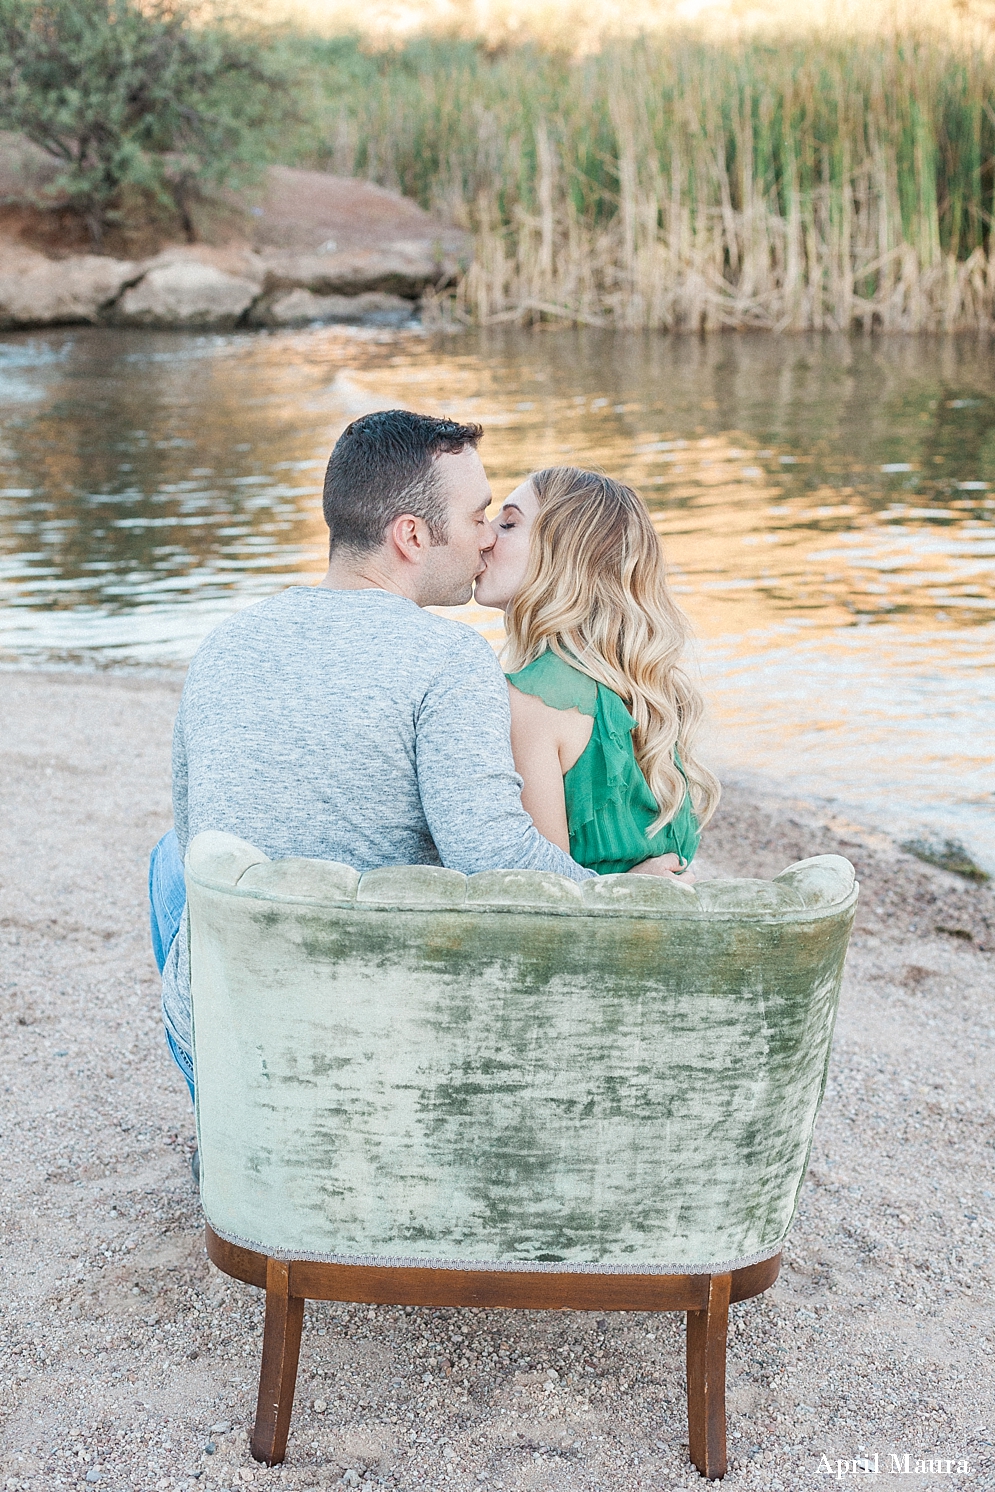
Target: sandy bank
{"type": "Point", "coordinates": [123, 1347]}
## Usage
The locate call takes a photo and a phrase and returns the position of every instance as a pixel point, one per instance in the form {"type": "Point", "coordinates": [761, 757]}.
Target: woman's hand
{"type": "Point", "coordinates": [668, 866]}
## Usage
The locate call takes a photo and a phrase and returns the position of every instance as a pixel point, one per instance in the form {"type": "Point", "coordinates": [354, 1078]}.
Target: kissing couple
{"type": "Point", "coordinates": [345, 721]}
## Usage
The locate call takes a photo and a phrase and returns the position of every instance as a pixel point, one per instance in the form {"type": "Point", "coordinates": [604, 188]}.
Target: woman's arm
{"type": "Point", "coordinates": [546, 743]}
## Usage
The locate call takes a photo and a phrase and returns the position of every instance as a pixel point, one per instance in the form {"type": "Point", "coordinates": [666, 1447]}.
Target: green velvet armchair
{"type": "Point", "coordinates": [418, 1087]}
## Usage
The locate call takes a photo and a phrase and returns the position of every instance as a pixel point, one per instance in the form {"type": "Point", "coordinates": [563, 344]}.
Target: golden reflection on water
{"type": "Point", "coordinates": [751, 532]}
{"type": "Point", "coordinates": [827, 510]}
{"type": "Point", "coordinates": [844, 610]}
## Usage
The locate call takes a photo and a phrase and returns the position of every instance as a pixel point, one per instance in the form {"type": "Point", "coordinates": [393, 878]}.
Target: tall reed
{"type": "Point", "coordinates": [673, 182]}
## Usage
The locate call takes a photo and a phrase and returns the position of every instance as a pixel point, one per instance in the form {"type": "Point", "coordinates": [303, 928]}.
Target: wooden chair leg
{"type": "Point", "coordinates": [706, 1349]}
{"type": "Point", "coordinates": [278, 1373]}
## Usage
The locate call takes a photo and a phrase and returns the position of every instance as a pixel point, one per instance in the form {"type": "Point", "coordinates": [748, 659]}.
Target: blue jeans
{"type": "Point", "coordinates": [167, 898]}
{"type": "Point", "coordinates": [183, 1062]}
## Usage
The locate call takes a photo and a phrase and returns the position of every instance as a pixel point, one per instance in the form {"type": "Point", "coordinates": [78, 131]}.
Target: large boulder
{"type": "Point", "coordinates": [186, 292]}
{"type": "Point", "coordinates": [337, 236]}
{"type": "Point", "coordinates": [404, 269]}
{"type": "Point", "coordinates": [313, 212]}
{"type": "Point", "coordinates": [38, 291]}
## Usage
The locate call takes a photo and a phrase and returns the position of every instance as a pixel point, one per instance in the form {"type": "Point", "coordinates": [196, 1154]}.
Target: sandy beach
{"type": "Point", "coordinates": [129, 1362]}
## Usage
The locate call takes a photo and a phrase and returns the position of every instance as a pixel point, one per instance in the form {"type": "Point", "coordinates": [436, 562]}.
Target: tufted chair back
{"type": "Point", "coordinates": [509, 1070]}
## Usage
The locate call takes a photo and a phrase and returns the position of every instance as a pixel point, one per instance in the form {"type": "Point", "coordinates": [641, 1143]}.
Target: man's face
{"type": "Point", "coordinates": [451, 568]}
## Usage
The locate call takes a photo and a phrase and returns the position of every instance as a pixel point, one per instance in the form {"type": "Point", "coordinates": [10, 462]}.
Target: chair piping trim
{"type": "Point", "coordinates": [764, 916]}
{"type": "Point", "coordinates": [495, 1266]}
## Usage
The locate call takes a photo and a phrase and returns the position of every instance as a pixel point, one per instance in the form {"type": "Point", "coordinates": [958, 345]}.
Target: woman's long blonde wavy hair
{"type": "Point", "coordinates": [595, 593]}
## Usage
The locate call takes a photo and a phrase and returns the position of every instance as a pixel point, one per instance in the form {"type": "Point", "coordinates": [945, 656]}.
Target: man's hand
{"type": "Point", "coordinates": [668, 866]}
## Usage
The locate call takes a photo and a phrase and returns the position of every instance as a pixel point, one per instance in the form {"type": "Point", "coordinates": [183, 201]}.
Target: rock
{"type": "Point", "coordinates": [403, 268]}
{"type": "Point", "coordinates": [298, 307]}
{"type": "Point", "coordinates": [27, 172]}
{"type": "Point", "coordinates": [186, 292]}
{"type": "Point", "coordinates": [37, 291]}
{"type": "Point", "coordinates": [223, 1427]}
{"type": "Point", "coordinates": [316, 212]}
{"type": "Point", "coordinates": [320, 1406]}
{"type": "Point", "coordinates": [306, 246]}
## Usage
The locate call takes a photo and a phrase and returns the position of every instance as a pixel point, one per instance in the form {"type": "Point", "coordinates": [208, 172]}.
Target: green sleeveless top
{"type": "Point", "coordinates": [609, 803]}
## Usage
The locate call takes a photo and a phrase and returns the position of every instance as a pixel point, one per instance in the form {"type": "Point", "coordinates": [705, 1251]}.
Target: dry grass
{"type": "Point", "coordinates": [688, 183]}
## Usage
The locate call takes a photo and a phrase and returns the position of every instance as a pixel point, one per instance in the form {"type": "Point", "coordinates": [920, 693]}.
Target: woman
{"type": "Point", "coordinates": [603, 716]}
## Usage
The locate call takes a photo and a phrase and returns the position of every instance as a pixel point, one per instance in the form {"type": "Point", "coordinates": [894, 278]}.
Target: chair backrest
{"type": "Point", "coordinates": [508, 1069]}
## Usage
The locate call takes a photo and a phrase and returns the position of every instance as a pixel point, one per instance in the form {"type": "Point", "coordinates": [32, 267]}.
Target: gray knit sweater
{"type": "Point", "coordinates": [351, 726]}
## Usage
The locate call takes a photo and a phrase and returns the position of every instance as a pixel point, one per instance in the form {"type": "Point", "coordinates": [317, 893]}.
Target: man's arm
{"type": "Point", "coordinates": [469, 788]}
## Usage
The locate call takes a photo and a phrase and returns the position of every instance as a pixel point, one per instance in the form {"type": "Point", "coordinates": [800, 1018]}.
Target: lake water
{"type": "Point", "coordinates": [827, 508]}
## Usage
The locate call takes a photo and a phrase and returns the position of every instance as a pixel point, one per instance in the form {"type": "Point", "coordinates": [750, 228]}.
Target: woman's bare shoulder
{"type": "Point", "coordinates": [534, 721]}
{"type": "Point", "coordinates": [526, 706]}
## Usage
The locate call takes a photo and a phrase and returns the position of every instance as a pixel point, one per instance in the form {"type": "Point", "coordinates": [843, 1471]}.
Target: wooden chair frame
{"type": "Point", "coordinates": [288, 1284]}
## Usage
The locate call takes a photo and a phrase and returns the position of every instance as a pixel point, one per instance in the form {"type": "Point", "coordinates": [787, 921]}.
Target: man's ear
{"type": "Point", "coordinates": [408, 538]}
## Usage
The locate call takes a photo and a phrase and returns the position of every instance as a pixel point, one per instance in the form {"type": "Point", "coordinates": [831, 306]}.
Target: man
{"type": "Point", "coordinates": [343, 721]}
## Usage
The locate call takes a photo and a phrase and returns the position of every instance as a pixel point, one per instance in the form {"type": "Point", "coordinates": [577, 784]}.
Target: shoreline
{"type": "Point", "coordinates": [125, 1347]}
{"type": "Point", "coordinates": [837, 813]}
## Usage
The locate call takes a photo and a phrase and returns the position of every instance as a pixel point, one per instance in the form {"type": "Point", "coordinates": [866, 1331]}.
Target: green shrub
{"type": "Point", "coordinates": [129, 96]}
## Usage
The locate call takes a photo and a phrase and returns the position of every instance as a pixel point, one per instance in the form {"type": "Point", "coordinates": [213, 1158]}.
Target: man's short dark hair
{"type": "Point", "coordinates": [381, 467]}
